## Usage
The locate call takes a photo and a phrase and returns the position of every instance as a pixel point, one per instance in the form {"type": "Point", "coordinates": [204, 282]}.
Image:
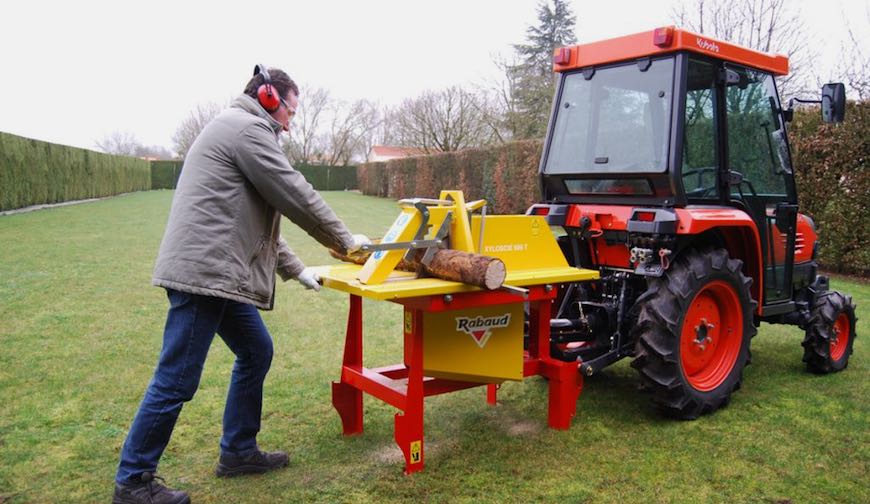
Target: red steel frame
{"type": "Point", "coordinates": [404, 386]}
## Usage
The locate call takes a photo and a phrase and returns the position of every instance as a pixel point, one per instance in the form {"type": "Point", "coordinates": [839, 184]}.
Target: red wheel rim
{"type": "Point", "coordinates": [712, 335]}
{"type": "Point", "coordinates": [840, 341]}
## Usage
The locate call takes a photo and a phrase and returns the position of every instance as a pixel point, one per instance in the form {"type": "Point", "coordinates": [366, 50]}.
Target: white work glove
{"type": "Point", "coordinates": [310, 279]}
{"type": "Point", "coordinates": [358, 241]}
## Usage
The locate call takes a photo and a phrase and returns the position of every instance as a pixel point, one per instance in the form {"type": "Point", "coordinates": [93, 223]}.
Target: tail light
{"type": "Point", "coordinates": [663, 37]}
{"type": "Point", "coordinates": [542, 210]}
{"type": "Point", "coordinates": [562, 56]}
{"type": "Point", "coordinates": [645, 216]}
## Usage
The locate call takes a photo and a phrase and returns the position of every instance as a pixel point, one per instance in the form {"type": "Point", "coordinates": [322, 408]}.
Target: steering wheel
{"type": "Point", "coordinates": [700, 191]}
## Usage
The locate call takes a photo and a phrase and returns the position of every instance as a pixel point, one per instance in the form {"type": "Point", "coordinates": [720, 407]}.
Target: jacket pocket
{"type": "Point", "coordinates": [245, 284]}
{"type": "Point", "coordinates": [258, 248]}
{"type": "Point", "coordinates": [263, 271]}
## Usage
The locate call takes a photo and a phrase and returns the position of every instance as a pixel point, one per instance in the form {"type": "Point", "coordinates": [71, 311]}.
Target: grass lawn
{"type": "Point", "coordinates": [81, 329]}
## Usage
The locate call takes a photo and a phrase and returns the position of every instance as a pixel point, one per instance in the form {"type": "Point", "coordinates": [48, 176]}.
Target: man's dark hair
{"type": "Point", "coordinates": [282, 82]}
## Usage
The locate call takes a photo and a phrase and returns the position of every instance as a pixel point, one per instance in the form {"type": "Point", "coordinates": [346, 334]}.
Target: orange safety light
{"type": "Point", "coordinates": [663, 37]}
{"type": "Point", "coordinates": [562, 56]}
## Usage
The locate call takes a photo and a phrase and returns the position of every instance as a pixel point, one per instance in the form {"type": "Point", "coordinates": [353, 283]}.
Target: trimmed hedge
{"type": "Point", "coordinates": [505, 176]}
{"type": "Point", "coordinates": [34, 172]}
{"type": "Point", "coordinates": [164, 174]}
{"type": "Point", "coordinates": [830, 163]}
{"type": "Point", "coordinates": [372, 179]}
{"type": "Point", "coordinates": [330, 178]}
{"type": "Point", "coordinates": [834, 184]}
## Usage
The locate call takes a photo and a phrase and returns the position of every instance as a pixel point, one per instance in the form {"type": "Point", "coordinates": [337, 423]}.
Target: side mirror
{"type": "Point", "coordinates": [833, 102]}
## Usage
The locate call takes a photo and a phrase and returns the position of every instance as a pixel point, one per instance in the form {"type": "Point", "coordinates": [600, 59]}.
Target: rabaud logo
{"type": "Point", "coordinates": [706, 44]}
{"type": "Point", "coordinates": [480, 328]}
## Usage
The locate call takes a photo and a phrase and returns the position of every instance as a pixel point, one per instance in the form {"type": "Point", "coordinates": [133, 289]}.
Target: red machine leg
{"type": "Point", "coordinates": [565, 389]}
{"type": "Point", "coordinates": [492, 393]}
{"type": "Point", "coordinates": [565, 379]}
{"type": "Point", "coordinates": [348, 400]}
{"type": "Point", "coordinates": [409, 425]}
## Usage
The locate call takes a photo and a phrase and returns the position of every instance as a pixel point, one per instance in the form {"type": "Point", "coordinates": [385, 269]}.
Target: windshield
{"type": "Point", "coordinates": [617, 121]}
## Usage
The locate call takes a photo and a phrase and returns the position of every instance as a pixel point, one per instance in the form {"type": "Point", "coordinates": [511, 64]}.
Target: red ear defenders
{"type": "Point", "coordinates": [267, 95]}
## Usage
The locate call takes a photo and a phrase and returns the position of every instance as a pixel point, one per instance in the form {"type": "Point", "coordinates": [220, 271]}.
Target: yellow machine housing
{"type": "Point", "coordinates": [488, 345]}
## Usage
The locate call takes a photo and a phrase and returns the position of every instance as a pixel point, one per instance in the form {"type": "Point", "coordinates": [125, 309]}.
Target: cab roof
{"type": "Point", "coordinates": [663, 41]}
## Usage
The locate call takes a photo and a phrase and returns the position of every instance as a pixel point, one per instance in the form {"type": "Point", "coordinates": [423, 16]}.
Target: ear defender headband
{"type": "Point", "coordinates": [266, 93]}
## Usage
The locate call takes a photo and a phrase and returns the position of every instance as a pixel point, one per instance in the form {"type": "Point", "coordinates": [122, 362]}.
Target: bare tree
{"type": "Point", "coordinates": [770, 26]}
{"type": "Point", "coordinates": [378, 132]}
{"type": "Point", "coordinates": [350, 132]}
{"type": "Point", "coordinates": [443, 121]}
{"type": "Point", "coordinates": [306, 139]}
{"type": "Point", "coordinates": [191, 127]}
{"type": "Point", "coordinates": [854, 66]}
{"type": "Point", "coordinates": [505, 119]}
{"type": "Point", "coordinates": [153, 151]}
{"type": "Point", "coordinates": [122, 143]}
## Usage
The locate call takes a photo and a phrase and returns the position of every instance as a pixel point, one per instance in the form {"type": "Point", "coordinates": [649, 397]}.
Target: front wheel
{"type": "Point", "coordinates": [830, 334]}
{"type": "Point", "coordinates": [693, 331]}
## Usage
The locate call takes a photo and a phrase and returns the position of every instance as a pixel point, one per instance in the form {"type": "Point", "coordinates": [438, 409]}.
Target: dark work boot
{"type": "Point", "coordinates": [148, 490]}
{"type": "Point", "coordinates": [255, 463]}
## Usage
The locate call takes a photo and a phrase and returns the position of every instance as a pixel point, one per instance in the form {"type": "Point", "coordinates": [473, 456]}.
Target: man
{"type": "Point", "coordinates": [217, 262]}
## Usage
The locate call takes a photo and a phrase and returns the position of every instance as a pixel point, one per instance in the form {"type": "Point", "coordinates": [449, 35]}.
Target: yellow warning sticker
{"type": "Point", "coordinates": [416, 452]}
{"type": "Point", "coordinates": [409, 322]}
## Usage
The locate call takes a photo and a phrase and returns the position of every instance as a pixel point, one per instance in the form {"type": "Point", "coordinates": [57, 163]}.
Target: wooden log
{"type": "Point", "coordinates": [473, 269]}
{"type": "Point", "coordinates": [455, 265]}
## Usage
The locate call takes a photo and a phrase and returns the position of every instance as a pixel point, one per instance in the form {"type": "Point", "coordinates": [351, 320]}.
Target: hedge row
{"type": "Point", "coordinates": [330, 178]}
{"type": "Point", "coordinates": [164, 175]}
{"type": "Point", "coordinates": [505, 176]}
{"type": "Point", "coordinates": [834, 184]}
{"type": "Point", "coordinates": [34, 172]}
{"type": "Point", "coordinates": [830, 169]}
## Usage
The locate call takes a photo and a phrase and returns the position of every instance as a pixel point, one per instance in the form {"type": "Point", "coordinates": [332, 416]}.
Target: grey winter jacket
{"type": "Point", "coordinates": [223, 235]}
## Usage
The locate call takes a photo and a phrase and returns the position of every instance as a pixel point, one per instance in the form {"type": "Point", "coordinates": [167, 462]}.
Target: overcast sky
{"type": "Point", "coordinates": [74, 71]}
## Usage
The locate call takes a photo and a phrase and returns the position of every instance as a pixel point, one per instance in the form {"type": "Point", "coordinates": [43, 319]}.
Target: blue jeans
{"type": "Point", "coordinates": [191, 324]}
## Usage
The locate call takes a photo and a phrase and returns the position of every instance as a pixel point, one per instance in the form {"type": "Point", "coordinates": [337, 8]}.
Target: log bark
{"type": "Point", "coordinates": [473, 269]}
{"type": "Point", "coordinates": [454, 265]}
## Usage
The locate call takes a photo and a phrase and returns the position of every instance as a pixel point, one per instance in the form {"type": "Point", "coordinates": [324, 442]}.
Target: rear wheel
{"type": "Point", "coordinates": [693, 331]}
{"type": "Point", "coordinates": [830, 334]}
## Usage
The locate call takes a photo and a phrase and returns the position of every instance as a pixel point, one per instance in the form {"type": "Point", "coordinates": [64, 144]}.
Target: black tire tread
{"type": "Point", "coordinates": [816, 343]}
{"type": "Point", "coordinates": [657, 331]}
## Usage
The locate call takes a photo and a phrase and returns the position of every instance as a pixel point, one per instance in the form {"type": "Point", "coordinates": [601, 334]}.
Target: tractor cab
{"type": "Point", "coordinates": [672, 119]}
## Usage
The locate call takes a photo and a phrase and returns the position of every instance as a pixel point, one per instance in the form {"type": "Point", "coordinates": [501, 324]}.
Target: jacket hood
{"type": "Point", "coordinates": [252, 106]}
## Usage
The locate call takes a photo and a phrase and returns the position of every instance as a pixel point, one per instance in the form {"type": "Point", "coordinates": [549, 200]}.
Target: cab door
{"type": "Point", "coordinates": [760, 174]}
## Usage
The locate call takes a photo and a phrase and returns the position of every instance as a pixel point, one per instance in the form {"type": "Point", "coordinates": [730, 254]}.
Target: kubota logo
{"type": "Point", "coordinates": [480, 328]}
{"type": "Point", "coordinates": [706, 44]}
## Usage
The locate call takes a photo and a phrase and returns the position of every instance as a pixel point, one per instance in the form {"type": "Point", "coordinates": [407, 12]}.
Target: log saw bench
{"type": "Point", "coordinates": [456, 336]}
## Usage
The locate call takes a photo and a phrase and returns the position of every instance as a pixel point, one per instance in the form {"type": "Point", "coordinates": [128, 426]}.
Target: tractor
{"type": "Point", "coordinates": [667, 168]}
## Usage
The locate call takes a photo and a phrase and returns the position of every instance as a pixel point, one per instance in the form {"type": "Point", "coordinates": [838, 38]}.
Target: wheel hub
{"type": "Point", "coordinates": [712, 335]}
{"type": "Point", "coordinates": [702, 334]}
{"type": "Point", "coordinates": [839, 337]}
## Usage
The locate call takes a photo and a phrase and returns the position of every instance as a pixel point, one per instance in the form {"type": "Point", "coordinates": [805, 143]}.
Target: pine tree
{"type": "Point", "coordinates": [555, 29]}
{"type": "Point", "coordinates": [533, 75]}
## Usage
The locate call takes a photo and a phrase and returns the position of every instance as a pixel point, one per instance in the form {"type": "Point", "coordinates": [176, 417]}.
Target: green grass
{"type": "Point", "coordinates": [81, 328]}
